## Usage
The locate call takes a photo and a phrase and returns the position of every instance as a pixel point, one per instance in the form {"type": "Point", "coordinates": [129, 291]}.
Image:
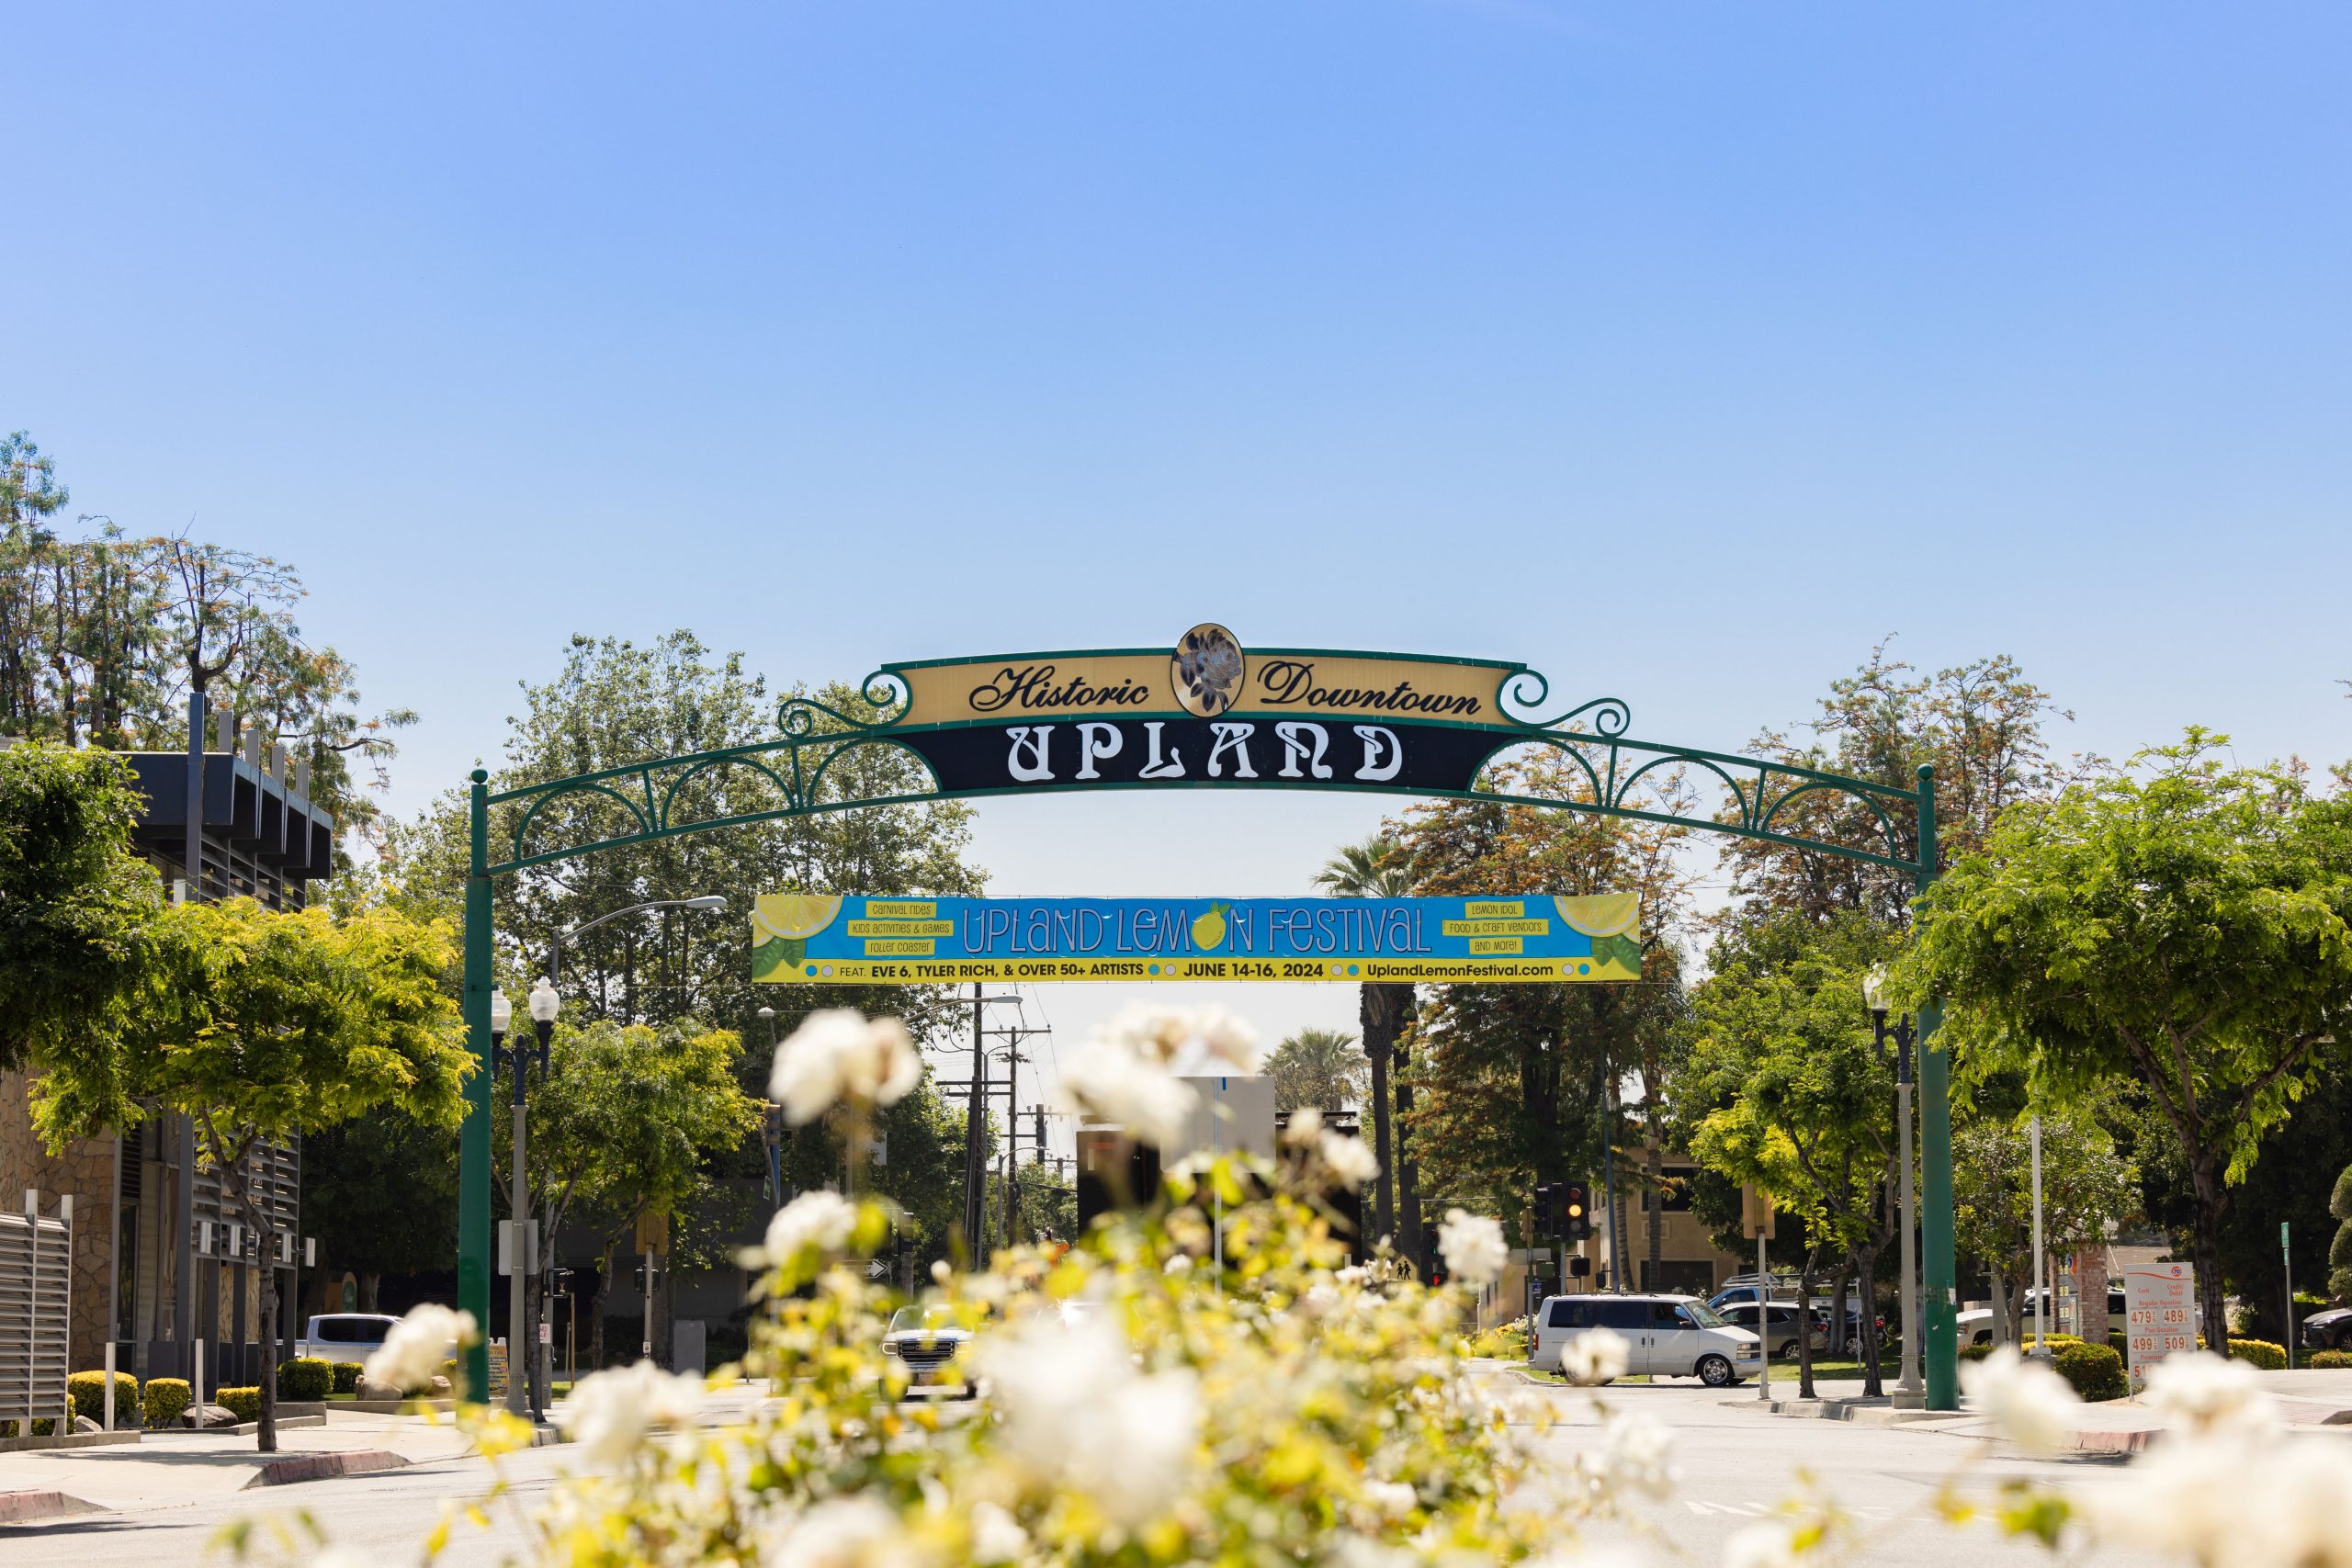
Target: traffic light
{"type": "Point", "coordinates": [1547, 1208]}
{"type": "Point", "coordinates": [1575, 1216]}
{"type": "Point", "coordinates": [1429, 1251]}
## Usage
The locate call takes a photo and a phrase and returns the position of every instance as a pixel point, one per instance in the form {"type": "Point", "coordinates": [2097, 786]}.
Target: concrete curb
{"type": "Point", "coordinates": [321, 1467]}
{"type": "Point", "coordinates": [1856, 1412]}
{"type": "Point", "coordinates": [23, 1507]}
{"type": "Point", "coordinates": [69, 1440]}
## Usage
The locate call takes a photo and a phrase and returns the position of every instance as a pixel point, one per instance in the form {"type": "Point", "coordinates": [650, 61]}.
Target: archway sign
{"type": "Point", "coordinates": [1206, 714]}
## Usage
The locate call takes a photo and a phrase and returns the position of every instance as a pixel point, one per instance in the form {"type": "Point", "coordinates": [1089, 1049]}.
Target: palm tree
{"type": "Point", "coordinates": [1375, 869]}
{"type": "Point", "coordinates": [1320, 1067]}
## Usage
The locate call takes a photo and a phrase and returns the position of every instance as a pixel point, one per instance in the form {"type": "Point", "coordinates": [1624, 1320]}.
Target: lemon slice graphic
{"type": "Point", "coordinates": [1602, 914]}
{"type": "Point", "coordinates": [793, 916]}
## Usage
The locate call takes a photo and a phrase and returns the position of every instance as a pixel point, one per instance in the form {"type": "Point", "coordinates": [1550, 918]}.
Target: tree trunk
{"type": "Point", "coordinates": [2212, 1212]}
{"type": "Point", "coordinates": [1805, 1325]}
{"type": "Point", "coordinates": [597, 1306]}
{"type": "Point", "coordinates": [241, 1186]}
{"type": "Point", "coordinates": [1864, 1263]}
{"type": "Point", "coordinates": [1379, 1046]}
{"type": "Point", "coordinates": [1408, 1187]}
{"type": "Point", "coordinates": [2000, 1301]}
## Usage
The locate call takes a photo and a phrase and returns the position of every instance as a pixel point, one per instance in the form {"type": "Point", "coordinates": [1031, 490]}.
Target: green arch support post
{"type": "Point", "coordinates": [649, 800]}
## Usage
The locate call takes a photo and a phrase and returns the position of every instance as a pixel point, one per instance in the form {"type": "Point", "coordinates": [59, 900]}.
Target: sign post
{"type": "Point", "coordinates": [1756, 1217]}
{"type": "Point", "coordinates": [2160, 1312]}
{"type": "Point", "coordinates": [2287, 1253]}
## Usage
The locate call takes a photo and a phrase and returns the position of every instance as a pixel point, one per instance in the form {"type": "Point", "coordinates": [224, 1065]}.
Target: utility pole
{"type": "Point", "coordinates": [975, 1114]}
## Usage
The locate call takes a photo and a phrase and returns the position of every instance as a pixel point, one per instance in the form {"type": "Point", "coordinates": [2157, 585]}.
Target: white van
{"type": "Point", "coordinates": [344, 1335]}
{"type": "Point", "coordinates": [1666, 1336]}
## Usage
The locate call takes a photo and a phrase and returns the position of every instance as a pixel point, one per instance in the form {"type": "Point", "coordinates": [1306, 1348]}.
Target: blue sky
{"type": "Point", "coordinates": [1681, 352]}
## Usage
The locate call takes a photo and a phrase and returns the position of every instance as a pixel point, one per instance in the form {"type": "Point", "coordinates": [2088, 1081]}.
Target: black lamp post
{"type": "Point", "coordinates": [1901, 1036]}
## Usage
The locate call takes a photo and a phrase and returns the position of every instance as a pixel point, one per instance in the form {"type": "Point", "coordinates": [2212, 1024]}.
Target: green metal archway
{"type": "Point", "coordinates": [802, 774]}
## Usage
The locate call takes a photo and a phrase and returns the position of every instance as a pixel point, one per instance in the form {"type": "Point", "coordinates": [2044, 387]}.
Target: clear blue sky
{"type": "Point", "coordinates": [1679, 351]}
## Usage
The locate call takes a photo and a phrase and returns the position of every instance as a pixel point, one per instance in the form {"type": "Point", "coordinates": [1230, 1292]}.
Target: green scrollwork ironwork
{"type": "Point", "coordinates": [792, 776]}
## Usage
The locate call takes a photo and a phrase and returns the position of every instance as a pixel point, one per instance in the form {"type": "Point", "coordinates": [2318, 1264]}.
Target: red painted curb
{"type": "Point", "coordinates": [15, 1508]}
{"type": "Point", "coordinates": [321, 1467]}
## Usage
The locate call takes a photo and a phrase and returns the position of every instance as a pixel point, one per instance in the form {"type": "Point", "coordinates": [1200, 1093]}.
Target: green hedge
{"type": "Point", "coordinates": [89, 1390]}
{"type": "Point", "coordinates": [2094, 1371]}
{"type": "Point", "coordinates": [244, 1404]}
{"type": "Point", "coordinates": [2260, 1353]}
{"type": "Point", "coordinates": [2338, 1360]}
{"type": "Point", "coordinates": [164, 1400]}
{"type": "Point", "coordinates": [308, 1378]}
{"type": "Point", "coordinates": [347, 1377]}
{"type": "Point", "coordinates": [1975, 1352]}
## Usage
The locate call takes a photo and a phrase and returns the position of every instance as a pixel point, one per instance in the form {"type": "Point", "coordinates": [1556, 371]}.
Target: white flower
{"type": "Point", "coordinates": [822, 1219]}
{"type": "Point", "coordinates": [2193, 1500]}
{"type": "Point", "coordinates": [1391, 1499]}
{"type": "Point", "coordinates": [2033, 1406]}
{"type": "Point", "coordinates": [1772, 1544]}
{"type": "Point", "coordinates": [1634, 1455]}
{"type": "Point", "coordinates": [2203, 1392]}
{"type": "Point", "coordinates": [1594, 1356]}
{"type": "Point", "coordinates": [1474, 1248]}
{"type": "Point", "coordinates": [838, 1052]}
{"type": "Point", "coordinates": [1157, 1033]}
{"type": "Point", "coordinates": [1304, 1128]}
{"type": "Point", "coordinates": [412, 1352]}
{"type": "Point", "coordinates": [609, 1414]}
{"type": "Point", "coordinates": [1078, 1416]}
{"type": "Point", "coordinates": [997, 1536]}
{"type": "Point", "coordinates": [844, 1532]}
{"type": "Point", "coordinates": [1350, 1160]}
{"type": "Point", "coordinates": [1107, 1080]}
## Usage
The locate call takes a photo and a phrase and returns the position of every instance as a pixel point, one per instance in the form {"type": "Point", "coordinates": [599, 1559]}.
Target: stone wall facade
{"type": "Point", "coordinates": [85, 1173]}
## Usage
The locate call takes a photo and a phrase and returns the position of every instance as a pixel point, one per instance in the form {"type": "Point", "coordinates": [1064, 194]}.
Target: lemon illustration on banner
{"type": "Point", "coordinates": [1602, 914]}
{"type": "Point", "coordinates": [1208, 931]}
{"type": "Point", "coordinates": [782, 924]}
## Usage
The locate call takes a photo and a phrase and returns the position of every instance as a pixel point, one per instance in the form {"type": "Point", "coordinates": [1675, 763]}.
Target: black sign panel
{"type": "Point", "coordinates": [1294, 752]}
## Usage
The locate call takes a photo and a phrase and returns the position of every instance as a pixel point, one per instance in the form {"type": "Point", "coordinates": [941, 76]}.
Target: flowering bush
{"type": "Point", "coordinates": [2260, 1353]}
{"type": "Point", "coordinates": [1208, 1381]}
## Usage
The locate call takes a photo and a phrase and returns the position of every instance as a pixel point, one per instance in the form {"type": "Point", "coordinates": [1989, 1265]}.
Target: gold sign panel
{"type": "Point", "coordinates": [1208, 673]}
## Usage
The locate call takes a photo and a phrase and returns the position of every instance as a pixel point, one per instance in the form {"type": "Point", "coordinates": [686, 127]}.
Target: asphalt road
{"type": "Point", "coordinates": [1734, 1465]}
{"type": "Point", "coordinates": [1737, 1465]}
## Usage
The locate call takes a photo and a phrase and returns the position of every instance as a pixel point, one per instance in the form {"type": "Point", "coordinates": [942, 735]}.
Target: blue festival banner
{"type": "Point", "coordinates": [812, 939]}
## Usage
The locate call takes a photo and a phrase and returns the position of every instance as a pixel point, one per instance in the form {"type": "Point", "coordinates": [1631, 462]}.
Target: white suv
{"type": "Point", "coordinates": [1666, 1336]}
{"type": "Point", "coordinates": [344, 1335]}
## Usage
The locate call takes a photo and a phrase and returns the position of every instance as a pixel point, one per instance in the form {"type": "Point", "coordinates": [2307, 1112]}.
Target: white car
{"type": "Point", "coordinates": [930, 1343]}
{"type": "Point", "coordinates": [1666, 1336]}
{"type": "Point", "coordinates": [344, 1335]}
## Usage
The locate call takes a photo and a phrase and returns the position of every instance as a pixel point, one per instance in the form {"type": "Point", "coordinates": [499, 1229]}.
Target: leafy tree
{"type": "Point", "coordinates": [2288, 1182]}
{"type": "Point", "coordinates": [623, 1125]}
{"type": "Point", "coordinates": [2183, 923]}
{"type": "Point", "coordinates": [77, 907]}
{"type": "Point", "coordinates": [1979, 723]}
{"type": "Point", "coordinates": [103, 639]}
{"type": "Point", "coordinates": [2085, 1183]}
{"type": "Point", "coordinates": [263, 1025]}
{"type": "Point", "coordinates": [1319, 1067]}
{"type": "Point", "coordinates": [1375, 868]}
{"type": "Point", "coordinates": [380, 1193]}
{"type": "Point", "coordinates": [1519, 1079]}
{"type": "Point", "coordinates": [1784, 1087]}
{"type": "Point", "coordinates": [2339, 1251]}
{"type": "Point", "coordinates": [616, 702]}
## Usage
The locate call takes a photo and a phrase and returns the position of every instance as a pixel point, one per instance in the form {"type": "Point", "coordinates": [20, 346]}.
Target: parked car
{"type": "Point", "coordinates": [2329, 1330]}
{"type": "Point", "coordinates": [930, 1343]}
{"type": "Point", "coordinates": [1666, 1336]}
{"type": "Point", "coordinates": [344, 1335]}
{"type": "Point", "coordinates": [1784, 1323]}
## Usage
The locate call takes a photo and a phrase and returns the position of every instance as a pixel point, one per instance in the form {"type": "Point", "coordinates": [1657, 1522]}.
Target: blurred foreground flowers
{"type": "Point", "coordinates": [1206, 1380]}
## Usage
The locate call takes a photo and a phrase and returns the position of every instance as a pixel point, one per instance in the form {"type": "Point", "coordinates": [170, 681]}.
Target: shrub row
{"type": "Point", "coordinates": [308, 1378]}
{"type": "Point", "coordinates": [2259, 1352]}
{"type": "Point", "coordinates": [346, 1376]}
{"type": "Point", "coordinates": [2337, 1359]}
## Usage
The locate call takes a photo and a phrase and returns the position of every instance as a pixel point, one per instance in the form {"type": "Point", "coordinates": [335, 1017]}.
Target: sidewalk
{"type": "Point", "coordinates": [2306, 1401]}
{"type": "Point", "coordinates": [163, 1468]}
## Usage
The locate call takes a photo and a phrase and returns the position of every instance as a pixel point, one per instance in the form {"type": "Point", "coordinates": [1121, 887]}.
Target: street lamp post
{"type": "Point", "coordinates": [771, 1125]}
{"type": "Point", "coordinates": [1908, 1394]}
{"type": "Point", "coordinates": [544, 1004]}
{"type": "Point", "coordinates": [502, 1018]}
